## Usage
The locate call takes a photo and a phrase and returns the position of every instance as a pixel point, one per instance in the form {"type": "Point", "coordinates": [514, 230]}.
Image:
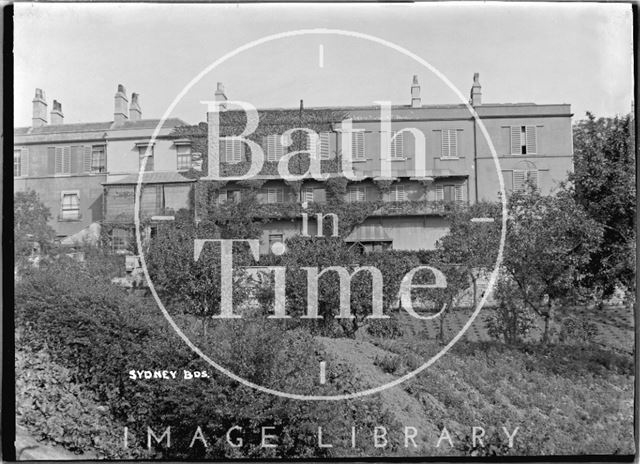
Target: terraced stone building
{"type": "Point", "coordinates": [406, 192]}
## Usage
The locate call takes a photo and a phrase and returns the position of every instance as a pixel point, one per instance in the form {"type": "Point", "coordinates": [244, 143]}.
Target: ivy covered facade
{"type": "Point", "coordinates": [401, 205]}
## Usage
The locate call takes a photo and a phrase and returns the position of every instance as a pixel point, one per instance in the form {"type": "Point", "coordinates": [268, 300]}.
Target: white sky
{"type": "Point", "coordinates": [544, 53]}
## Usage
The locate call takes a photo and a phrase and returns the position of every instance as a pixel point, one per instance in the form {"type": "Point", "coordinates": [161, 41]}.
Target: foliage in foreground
{"type": "Point", "coordinates": [604, 183]}
{"type": "Point", "coordinates": [100, 334]}
{"type": "Point", "coordinates": [565, 399]}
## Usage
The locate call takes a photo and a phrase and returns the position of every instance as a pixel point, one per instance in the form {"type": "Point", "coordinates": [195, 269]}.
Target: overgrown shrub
{"type": "Point", "coordinates": [512, 319]}
{"type": "Point", "coordinates": [57, 410]}
{"type": "Point", "coordinates": [389, 363]}
{"type": "Point", "coordinates": [99, 333]}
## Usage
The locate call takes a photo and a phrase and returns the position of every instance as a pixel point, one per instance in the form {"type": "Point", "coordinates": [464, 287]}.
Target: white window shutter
{"type": "Point", "coordinates": [66, 151]}
{"type": "Point", "coordinates": [237, 151]}
{"type": "Point", "coordinates": [86, 158]}
{"type": "Point", "coordinates": [271, 148]}
{"type": "Point", "coordinates": [532, 140]}
{"type": "Point", "coordinates": [397, 146]}
{"type": "Point", "coordinates": [323, 147]}
{"type": "Point", "coordinates": [518, 180]}
{"type": "Point", "coordinates": [453, 143]}
{"type": "Point", "coordinates": [58, 161]}
{"type": "Point", "coordinates": [227, 151]}
{"type": "Point", "coordinates": [445, 143]}
{"type": "Point", "coordinates": [515, 140]}
{"type": "Point", "coordinates": [439, 192]}
{"type": "Point", "coordinates": [459, 195]}
{"type": "Point", "coordinates": [307, 194]}
{"type": "Point", "coordinates": [357, 143]}
{"type": "Point", "coordinates": [400, 141]}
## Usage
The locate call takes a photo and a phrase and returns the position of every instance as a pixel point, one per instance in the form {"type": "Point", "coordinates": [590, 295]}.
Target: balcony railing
{"type": "Point", "coordinates": [291, 210]}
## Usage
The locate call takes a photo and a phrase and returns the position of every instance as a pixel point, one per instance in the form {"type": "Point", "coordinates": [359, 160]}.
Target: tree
{"type": "Point", "coordinates": [549, 239]}
{"type": "Point", "coordinates": [604, 184]}
{"type": "Point", "coordinates": [471, 245]}
{"type": "Point", "coordinates": [183, 282]}
{"type": "Point", "coordinates": [31, 218]}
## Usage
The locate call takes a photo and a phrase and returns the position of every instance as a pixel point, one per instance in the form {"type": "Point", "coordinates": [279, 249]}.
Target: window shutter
{"type": "Point", "coordinates": [51, 160]}
{"type": "Point", "coordinates": [533, 178]}
{"type": "Point", "coordinates": [515, 140]}
{"type": "Point", "coordinates": [458, 193]}
{"type": "Point", "coordinates": [228, 151]}
{"type": "Point", "coordinates": [397, 146]}
{"type": "Point", "coordinates": [445, 143]}
{"type": "Point", "coordinates": [324, 145]}
{"type": "Point", "coordinates": [307, 194]}
{"type": "Point", "coordinates": [76, 159]}
{"type": "Point", "coordinates": [518, 180]}
{"type": "Point", "coordinates": [59, 163]}
{"type": "Point", "coordinates": [532, 141]}
{"type": "Point", "coordinates": [358, 145]}
{"type": "Point", "coordinates": [86, 158]}
{"type": "Point", "coordinates": [66, 152]}
{"type": "Point", "coordinates": [453, 143]}
{"type": "Point", "coordinates": [271, 148]}
{"type": "Point", "coordinates": [238, 150]}
{"type": "Point", "coordinates": [439, 193]}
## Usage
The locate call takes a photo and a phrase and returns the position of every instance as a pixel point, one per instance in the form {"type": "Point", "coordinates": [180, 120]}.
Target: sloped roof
{"type": "Point", "coordinates": [151, 178]}
{"type": "Point", "coordinates": [98, 126]}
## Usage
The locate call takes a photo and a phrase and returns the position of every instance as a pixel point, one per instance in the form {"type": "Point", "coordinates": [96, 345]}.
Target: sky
{"type": "Point", "coordinates": [573, 53]}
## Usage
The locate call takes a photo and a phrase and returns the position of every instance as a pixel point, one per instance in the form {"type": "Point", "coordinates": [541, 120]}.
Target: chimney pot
{"type": "Point", "coordinates": [135, 112]}
{"type": "Point", "coordinates": [416, 102]}
{"type": "Point", "coordinates": [120, 113]}
{"type": "Point", "coordinates": [220, 96]}
{"type": "Point", "coordinates": [476, 91]}
{"type": "Point", "coordinates": [39, 115]}
{"type": "Point", "coordinates": [56, 113]}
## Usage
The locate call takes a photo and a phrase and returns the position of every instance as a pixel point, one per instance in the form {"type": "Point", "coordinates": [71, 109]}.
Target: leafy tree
{"type": "Point", "coordinates": [31, 218]}
{"type": "Point", "coordinates": [470, 245]}
{"type": "Point", "coordinates": [549, 239]}
{"type": "Point", "coordinates": [604, 183]}
{"type": "Point", "coordinates": [512, 319]}
{"type": "Point", "coordinates": [192, 285]}
{"type": "Point", "coordinates": [323, 252]}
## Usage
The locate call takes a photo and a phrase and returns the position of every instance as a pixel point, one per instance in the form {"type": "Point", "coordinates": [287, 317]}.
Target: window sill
{"type": "Point", "coordinates": [449, 158]}
{"type": "Point", "coordinates": [399, 159]}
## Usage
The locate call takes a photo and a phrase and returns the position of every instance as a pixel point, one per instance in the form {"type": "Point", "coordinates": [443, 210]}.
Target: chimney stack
{"type": "Point", "coordinates": [476, 91]}
{"type": "Point", "coordinates": [39, 117]}
{"type": "Point", "coordinates": [56, 113]}
{"type": "Point", "coordinates": [120, 109]}
{"type": "Point", "coordinates": [415, 93]}
{"type": "Point", "coordinates": [220, 95]}
{"type": "Point", "coordinates": [135, 113]}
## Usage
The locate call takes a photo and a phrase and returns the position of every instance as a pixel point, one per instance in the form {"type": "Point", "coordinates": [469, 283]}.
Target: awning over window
{"type": "Point", "coordinates": [368, 233]}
